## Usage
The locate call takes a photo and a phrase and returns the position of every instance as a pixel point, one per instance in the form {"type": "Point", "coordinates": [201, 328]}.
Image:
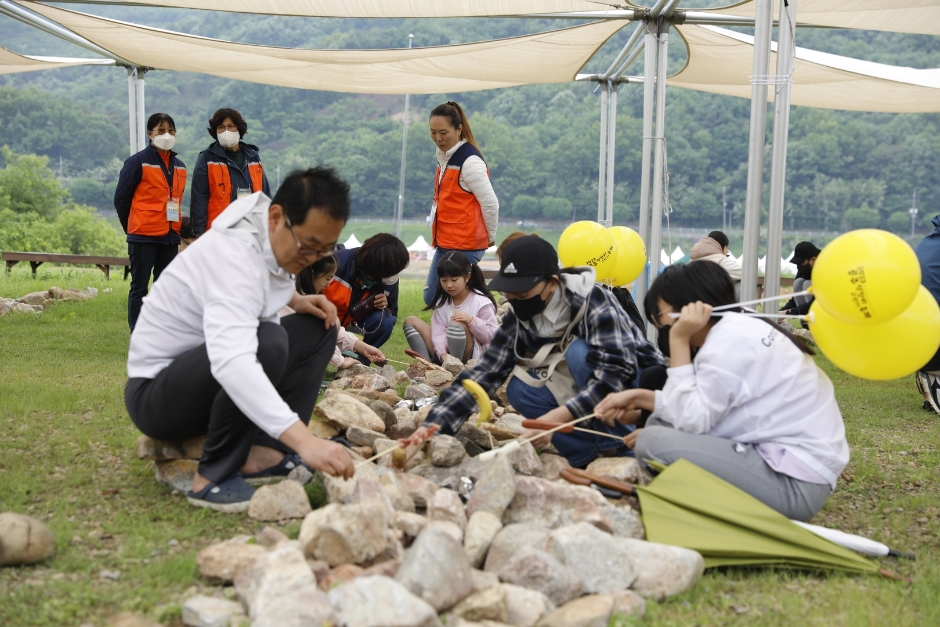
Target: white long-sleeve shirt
{"type": "Point", "coordinates": [474, 179]}
{"type": "Point", "coordinates": [750, 384]}
{"type": "Point", "coordinates": [216, 294]}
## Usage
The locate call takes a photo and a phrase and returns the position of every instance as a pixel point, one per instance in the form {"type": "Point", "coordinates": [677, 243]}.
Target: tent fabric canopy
{"type": "Point", "coordinates": [12, 63]}
{"type": "Point", "coordinates": [721, 61]}
{"type": "Point", "coordinates": [420, 245]}
{"type": "Point", "coordinates": [550, 57]}
{"type": "Point", "coordinates": [382, 8]}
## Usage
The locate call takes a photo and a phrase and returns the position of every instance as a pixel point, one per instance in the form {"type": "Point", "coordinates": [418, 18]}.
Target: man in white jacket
{"type": "Point", "coordinates": [209, 357]}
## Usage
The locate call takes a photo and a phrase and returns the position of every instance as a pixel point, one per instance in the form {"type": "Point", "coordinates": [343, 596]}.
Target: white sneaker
{"type": "Point", "coordinates": [933, 392]}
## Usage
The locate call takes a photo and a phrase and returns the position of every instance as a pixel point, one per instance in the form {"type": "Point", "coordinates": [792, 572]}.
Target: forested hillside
{"type": "Point", "coordinates": [845, 169]}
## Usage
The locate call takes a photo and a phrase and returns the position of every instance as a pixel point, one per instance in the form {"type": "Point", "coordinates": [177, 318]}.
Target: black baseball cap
{"type": "Point", "coordinates": [804, 251]}
{"type": "Point", "coordinates": [525, 262]}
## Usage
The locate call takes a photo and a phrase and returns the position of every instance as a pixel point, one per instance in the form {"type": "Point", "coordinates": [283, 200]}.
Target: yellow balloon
{"type": "Point", "coordinates": [883, 351]}
{"type": "Point", "coordinates": [587, 243]}
{"type": "Point", "coordinates": [631, 255]}
{"type": "Point", "coordinates": [866, 276]}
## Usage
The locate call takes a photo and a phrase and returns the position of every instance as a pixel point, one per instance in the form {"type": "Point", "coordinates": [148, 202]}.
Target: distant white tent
{"type": "Point", "coordinates": [664, 258]}
{"type": "Point", "coordinates": [786, 266]}
{"type": "Point", "coordinates": [676, 255]}
{"type": "Point", "coordinates": [420, 245]}
{"type": "Point", "coordinates": [762, 264]}
{"type": "Point", "coordinates": [352, 242]}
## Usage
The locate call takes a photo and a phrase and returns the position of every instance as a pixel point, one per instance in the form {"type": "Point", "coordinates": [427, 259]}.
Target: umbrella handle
{"type": "Point", "coordinates": [889, 574]}
{"type": "Point", "coordinates": [894, 553]}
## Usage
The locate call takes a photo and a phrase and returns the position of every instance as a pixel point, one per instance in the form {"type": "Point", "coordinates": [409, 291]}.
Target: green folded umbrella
{"type": "Point", "coordinates": [690, 507]}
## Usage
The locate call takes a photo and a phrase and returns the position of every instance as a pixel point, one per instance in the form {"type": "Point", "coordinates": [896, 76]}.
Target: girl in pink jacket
{"type": "Point", "coordinates": [464, 319]}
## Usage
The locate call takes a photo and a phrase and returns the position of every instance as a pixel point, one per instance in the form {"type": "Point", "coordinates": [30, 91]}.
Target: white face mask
{"type": "Point", "coordinates": [392, 280]}
{"type": "Point", "coordinates": [164, 142]}
{"type": "Point", "coordinates": [228, 139]}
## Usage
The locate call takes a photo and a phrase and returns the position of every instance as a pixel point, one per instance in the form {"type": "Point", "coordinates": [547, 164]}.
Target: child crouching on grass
{"type": "Point", "coordinates": [464, 319]}
{"type": "Point", "coordinates": [313, 280]}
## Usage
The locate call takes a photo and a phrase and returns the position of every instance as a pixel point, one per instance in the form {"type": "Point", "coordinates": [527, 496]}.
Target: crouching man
{"type": "Point", "coordinates": [209, 357]}
{"type": "Point", "coordinates": [566, 342]}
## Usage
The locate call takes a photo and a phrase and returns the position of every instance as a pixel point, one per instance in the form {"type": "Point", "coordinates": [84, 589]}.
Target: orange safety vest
{"type": "Point", "coordinates": [458, 221]}
{"type": "Point", "coordinates": [220, 186]}
{"type": "Point", "coordinates": [148, 207]}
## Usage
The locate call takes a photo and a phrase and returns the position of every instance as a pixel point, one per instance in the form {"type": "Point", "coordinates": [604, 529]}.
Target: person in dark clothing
{"type": "Point", "coordinates": [147, 200]}
{"type": "Point", "coordinates": [804, 258]}
{"type": "Point", "coordinates": [225, 171]}
{"type": "Point", "coordinates": [928, 254]}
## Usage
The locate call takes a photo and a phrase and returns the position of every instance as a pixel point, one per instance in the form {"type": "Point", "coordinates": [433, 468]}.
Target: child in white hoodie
{"type": "Point", "coordinates": [744, 399]}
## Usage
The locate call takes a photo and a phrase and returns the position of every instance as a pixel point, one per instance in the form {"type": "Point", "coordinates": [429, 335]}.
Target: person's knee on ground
{"type": "Point", "coordinates": [459, 341]}
{"type": "Point", "coordinates": [413, 336]}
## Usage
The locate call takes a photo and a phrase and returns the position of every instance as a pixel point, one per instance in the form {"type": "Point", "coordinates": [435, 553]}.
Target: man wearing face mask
{"type": "Point", "coordinates": [566, 342]}
{"type": "Point", "coordinates": [147, 200]}
{"type": "Point", "coordinates": [225, 171]}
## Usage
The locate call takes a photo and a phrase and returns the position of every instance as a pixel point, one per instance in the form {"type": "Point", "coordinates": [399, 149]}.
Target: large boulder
{"type": "Point", "coordinates": [280, 501]}
{"type": "Point", "coordinates": [535, 569]}
{"type": "Point", "coordinates": [343, 411]}
{"type": "Point", "coordinates": [445, 451]}
{"type": "Point", "coordinates": [380, 602]}
{"type": "Point", "coordinates": [23, 540]}
{"type": "Point", "coordinates": [481, 529]}
{"type": "Point", "coordinates": [663, 570]}
{"type": "Point", "coordinates": [371, 382]}
{"type": "Point", "coordinates": [556, 504]}
{"type": "Point", "coordinates": [281, 591]}
{"type": "Point", "coordinates": [346, 534]}
{"type": "Point", "coordinates": [224, 561]}
{"type": "Point", "coordinates": [446, 505]}
{"type": "Point", "coordinates": [512, 538]}
{"type": "Point", "coordinates": [626, 469]}
{"type": "Point", "coordinates": [420, 490]}
{"type": "Point", "coordinates": [437, 570]}
{"type": "Point", "coordinates": [494, 490]}
{"type": "Point", "coordinates": [601, 561]}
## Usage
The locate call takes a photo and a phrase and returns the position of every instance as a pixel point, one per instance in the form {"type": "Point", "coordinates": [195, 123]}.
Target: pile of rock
{"type": "Point", "coordinates": [34, 302]}
{"type": "Point", "coordinates": [462, 544]}
{"type": "Point", "coordinates": [176, 462]}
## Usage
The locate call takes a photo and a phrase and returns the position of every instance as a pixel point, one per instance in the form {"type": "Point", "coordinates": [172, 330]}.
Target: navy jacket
{"type": "Point", "coordinates": [200, 190]}
{"type": "Point", "coordinates": [129, 179]}
{"type": "Point", "coordinates": [928, 254]}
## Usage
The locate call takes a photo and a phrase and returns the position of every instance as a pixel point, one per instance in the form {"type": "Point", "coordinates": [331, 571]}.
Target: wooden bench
{"type": "Point", "coordinates": [37, 259]}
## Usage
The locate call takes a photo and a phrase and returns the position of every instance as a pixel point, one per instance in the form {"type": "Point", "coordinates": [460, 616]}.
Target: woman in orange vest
{"type": "Point", "coordinates": [465, 210]}
{"type": "Point", "coordinates": [147, 200]}
{"type": "Point", "coordinates": [225, 171]}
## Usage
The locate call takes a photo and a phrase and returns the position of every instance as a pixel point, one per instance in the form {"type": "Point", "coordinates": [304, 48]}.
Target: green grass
{"type": "Point", "coordinates": [67, 458]}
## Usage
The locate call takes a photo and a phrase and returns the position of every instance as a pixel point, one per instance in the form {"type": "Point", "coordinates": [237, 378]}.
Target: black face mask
{"type": "Point", "coordinates": [662, 339]}
{"type": "Point", "coordinates": [805, 272]}
{"type": "Point", "coordinates": [527, 308]}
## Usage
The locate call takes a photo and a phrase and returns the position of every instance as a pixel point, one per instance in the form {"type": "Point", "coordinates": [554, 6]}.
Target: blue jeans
{"type": "Point", "coordinates": [379, 329]}
{"type": "Point", "coordinates": [430, 287]}
{"type": "Point", "coordinates": [578, 448]}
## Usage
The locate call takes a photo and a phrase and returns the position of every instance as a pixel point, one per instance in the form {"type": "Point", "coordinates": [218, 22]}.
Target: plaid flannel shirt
{"type": "Point", "coordinates": [616, 346]}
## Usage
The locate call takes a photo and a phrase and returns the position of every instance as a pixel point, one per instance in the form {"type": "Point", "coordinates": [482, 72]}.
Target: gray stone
{"type": "Point", "coordinates": [203, 611]}
{"type": "Point", "coordinates": [488, 604]}
{"type": "Point", "coordinates": [370, 382]}
{"type": "Point", "coordinates": [23, 540]}
{"type": "Point", "coordinates": [437, 570]}
{"type": "Point", "coordinates": [663, 570]}
{"type": "Point", "coordinates": [363, 437]}
{"type": "Point", "coordinates": [420, 490]}
{"type": "Point", "coordinates": [384, 411]}
{"type": "Point", "coordinates": [177, 473]}
{"type": "Point", "coordinates": [484, 579]}
{"type": "Point", "coordinates": [446, 451]}
{"type": "Point", "coordinates": [447, 527]}
{"type": "Point", "coordinates": [281, 591]}
{"type": "Point", "coordinates": [470, 467]}
{"type": "Point", "coordinates": [345, 534]}
{"type": "Point", "coordinates": [437, 378]}
{"type": "Point", "coordinates": [409, 524]}
{"type": "Point", "coordinates": [452, 365]}
{"type": "Point", "coordinates": [628, 603]}
{"type": "Point", "coordinates": [511, 422]}
{"type": "Point", "coordinates": [380, 602]}
{"type": "Point", "coordinates": [556, 504]}
{"type": "Point", "coordinates": [396, 492]}
{"type": "Point", "coordinates": [419, 390]}
{"type": "Point", "coordinates": [552, 465]}
{"type": "Point", "coordinates": [280, 501]}
{"type": "Point", "coordinates": [524, 607]}
{"type": "Point", "coordinates": [399, 379]}
{"type": "Point", "coordinates": [343, 411]}
{"type": "Point", "coordinates": [446, 505]}
{"type": "Point", "coordinates": [590, 611]}
{"type": "Point", "coordinates": [339, 490]}
{"type": "Point", "coordinates": [526, 460]}
{"type": "Point", "coordinates": [301, 474]}
{"type": "Point", "coordinates": [388, 371]}
{"type": "Point", "coordinates": [477, 435]}
{"type": "Point", "coordinates": [481, 529]}
{"type": "Point", "coordinates": [370, 490]}
{"type": "Point", "coordinates": [599, 559]}
{"type": "Point", "coordinates": [626, 522]}
{"type": "Point", "coordinates": [224, 561]}
{"type": "Point", "coordinates": [512, 538]}
{"type": "Point", "coordinates": [626, 469]}
{"type": "Point", "coordinates": [494, 490]}
{"type": "Point", "coordinates": [535, 569]}
{"type": "Point", "coordinates": [270, 536]}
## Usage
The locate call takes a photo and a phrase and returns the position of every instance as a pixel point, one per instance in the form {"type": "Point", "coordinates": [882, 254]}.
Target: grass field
{"type": "Point", "coordinates": [67, 458]}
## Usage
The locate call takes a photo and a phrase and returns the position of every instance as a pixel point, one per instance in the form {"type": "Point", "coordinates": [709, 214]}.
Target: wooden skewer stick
{"type": "Point", "coordinates": [395, 361]}
{"type": "Point", "coordinates": [377, 456]}
{"type": "Point", "coordinates": [515, 444]}
{"type": "Point", "coordinates": [601, 433]}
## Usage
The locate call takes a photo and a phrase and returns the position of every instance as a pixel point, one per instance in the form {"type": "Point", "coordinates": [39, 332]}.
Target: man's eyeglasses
{"type": "Point", "coordinates": [306, 251]}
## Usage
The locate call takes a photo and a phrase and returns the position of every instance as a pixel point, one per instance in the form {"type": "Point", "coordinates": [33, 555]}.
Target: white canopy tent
{"type": "Point", "coordinates": [12, 63]}
{"type": "Point", "coordinates": [352, 242]}
{"type": "Point", "coordinates": [420, 245]}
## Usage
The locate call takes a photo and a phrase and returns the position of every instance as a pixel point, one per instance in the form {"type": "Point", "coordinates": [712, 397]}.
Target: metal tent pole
{"type": "Point", "coordinates": [404, 156]}
{"type": "Point", "coordinates": [611, 150]}
{"type": "Point", "coordinates": [602, 159]}
{"type": "Point", "coordinates": [132, 109]}
{"type": "Point", "coordinates": [649, 99]}
{"type": "Point", "coordinates": [142, 139]}
{"type": "Point", "coordinates": [755, 161]}
{"type": "Point", "coordinates": [659, 149]}
{"type": "Point", "coordinates": [786, 36]}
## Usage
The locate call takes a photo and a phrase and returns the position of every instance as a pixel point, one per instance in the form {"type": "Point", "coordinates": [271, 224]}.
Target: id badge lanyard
{"type": "Point", "coordinates": [172, 204]}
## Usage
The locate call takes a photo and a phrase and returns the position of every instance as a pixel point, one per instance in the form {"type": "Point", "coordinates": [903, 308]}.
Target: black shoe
{"type": "Point", "coordinates": [230, 497]}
